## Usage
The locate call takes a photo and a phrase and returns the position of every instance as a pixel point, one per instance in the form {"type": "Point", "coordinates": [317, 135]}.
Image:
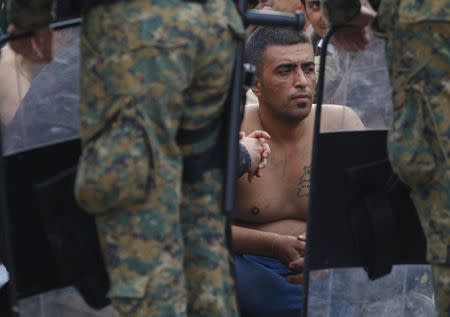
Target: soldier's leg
{"type": "Point", "coordinates": [139, 233]}
{"type": "Point", "coordinates": [207, 260]}
{"type": "Point", "coordinates": [208, 272]}
{"type": "Point", "coordinates": [419, 141]}
{"type": "Point", "coordinates": [137, 64]}
{"type": "Point", "coordinates": [137, 216]}
{"type": "Point", "coordinates": [429, 208]}
{"type": "Point", "coordinates": [441, 286]}
{"type": "Point", "coordinates": [143, 253]}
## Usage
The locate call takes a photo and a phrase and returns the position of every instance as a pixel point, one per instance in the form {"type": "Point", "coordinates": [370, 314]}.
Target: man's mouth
{"type": "Point", "coordinates": [324, 27]}
{"type": "Point", "coordinates": [301, 96]}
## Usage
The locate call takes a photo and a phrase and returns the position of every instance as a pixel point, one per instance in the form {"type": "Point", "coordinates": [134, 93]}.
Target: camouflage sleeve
{"type": "Point", "coordinates": [245, 161]}
{"type": "Point", "coordinates": [340, 12]}
{"type": "Point", "coordinates": [30, 14]}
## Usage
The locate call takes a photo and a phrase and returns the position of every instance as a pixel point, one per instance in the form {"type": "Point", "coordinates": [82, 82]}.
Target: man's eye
{"type": "Point", "coordinates": [308, 69]}
{"type": "Point", "coordinates": [284, 70]}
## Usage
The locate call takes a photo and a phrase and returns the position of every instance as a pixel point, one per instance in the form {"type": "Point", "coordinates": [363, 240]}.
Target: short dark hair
{"type": "Point", "coordinates": [265, 36]}
{"type": "Point", "coordinates": [303, 2]}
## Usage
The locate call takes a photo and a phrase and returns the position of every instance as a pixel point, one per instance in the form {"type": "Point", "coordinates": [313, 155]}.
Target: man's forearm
{"type": "Point", "coordinates": [339, 12]}
{"type": "Point", "coordinates": [251, 241]}
{"type": "Point", "coordinates": [30, 15]}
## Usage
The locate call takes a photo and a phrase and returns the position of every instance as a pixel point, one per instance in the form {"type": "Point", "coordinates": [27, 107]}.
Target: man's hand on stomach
{"type": "Point", "coordinates": [289, 250]}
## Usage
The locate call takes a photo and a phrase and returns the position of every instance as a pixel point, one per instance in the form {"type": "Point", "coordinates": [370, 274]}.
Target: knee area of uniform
{"type": "Point", "coordinates": [441, 286]}
{"type": "Point", "coordinates": [412, 172]}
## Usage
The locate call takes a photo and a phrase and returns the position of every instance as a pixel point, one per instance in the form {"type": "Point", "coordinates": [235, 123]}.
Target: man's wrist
{"type": "Point", "coordinates": [274, 239]}
{"type": "Point", "coordinates": [245, 160]}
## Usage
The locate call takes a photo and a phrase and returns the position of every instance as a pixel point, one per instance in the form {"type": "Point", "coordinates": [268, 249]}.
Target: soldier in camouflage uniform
{"type": "Point", "coordinates": [154, 78]}
{"type": "Point", "coordinates": [419, 141]}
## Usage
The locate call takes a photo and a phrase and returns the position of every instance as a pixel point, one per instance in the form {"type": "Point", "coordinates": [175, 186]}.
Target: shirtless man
{"type": "Point", "coordinates": [272, 212]}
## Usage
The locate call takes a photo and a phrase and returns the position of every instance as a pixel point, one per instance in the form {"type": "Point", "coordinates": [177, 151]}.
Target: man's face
{"type": "Point", "coordinates": [281, 5]}
{"type": "Point", "coordinates": [315, 16]}
{"type": "Point", "coordinates": [287, 81]}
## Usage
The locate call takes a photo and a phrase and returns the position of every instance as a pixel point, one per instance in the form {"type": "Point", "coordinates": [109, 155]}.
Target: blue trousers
{"type": "Point", "coordinates": [263, 290]}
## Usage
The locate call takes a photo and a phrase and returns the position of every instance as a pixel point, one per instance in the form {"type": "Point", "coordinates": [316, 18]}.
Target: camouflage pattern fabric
{"type": "Point", "coordinates": [441, 285]}
{"type": "Point", "coordinates": [340, 12]}
{"type": "Point", "coordinates": [154, 78]}
{"type": "Point", "coordinates": [419, 141]}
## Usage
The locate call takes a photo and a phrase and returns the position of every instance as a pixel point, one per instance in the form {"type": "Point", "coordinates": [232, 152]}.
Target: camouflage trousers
{"type": "Point", "coordinates": [154, 78]}
{"type": "Point", "coordinates": [419, 141]}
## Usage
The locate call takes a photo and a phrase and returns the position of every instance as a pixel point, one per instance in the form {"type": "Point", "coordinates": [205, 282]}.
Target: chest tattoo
{"type": "Point", "coordinates": [304, 182]}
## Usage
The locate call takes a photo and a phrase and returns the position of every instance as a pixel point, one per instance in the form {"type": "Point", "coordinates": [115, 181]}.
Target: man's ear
{"type": "Point", "coordinates": [257, 87]}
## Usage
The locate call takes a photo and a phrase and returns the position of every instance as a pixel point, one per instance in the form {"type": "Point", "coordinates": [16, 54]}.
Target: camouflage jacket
{"type": "Point", "coordinates": [406, 11]}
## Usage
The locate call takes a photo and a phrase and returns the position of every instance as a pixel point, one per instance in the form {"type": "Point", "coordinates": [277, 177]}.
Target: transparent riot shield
{"type": "Point", "coordinates": [40, 102]}
{"type": "Point", "coordinates": [365, 247]}
{"type": "Point", "coordinates": [58, 269]}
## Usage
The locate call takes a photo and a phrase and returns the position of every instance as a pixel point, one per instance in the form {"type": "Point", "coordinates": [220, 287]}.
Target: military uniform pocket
{"type": "Point", "coordinates": [128, 296]}
{"type": "Point", "coordinates": [115, 168]}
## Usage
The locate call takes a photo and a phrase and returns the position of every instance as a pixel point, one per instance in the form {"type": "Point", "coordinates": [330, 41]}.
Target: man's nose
{"type": "Point", "coordinates": [300, 79]}
{"type": "Point", "coordinates": [324, 21]}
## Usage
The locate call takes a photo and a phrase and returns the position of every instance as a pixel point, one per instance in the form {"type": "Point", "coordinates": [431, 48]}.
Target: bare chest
{"type": "Point", "coordinates": [281, 193]}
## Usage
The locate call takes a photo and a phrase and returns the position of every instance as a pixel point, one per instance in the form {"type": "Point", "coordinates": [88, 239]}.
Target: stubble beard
{"type": "Point", "coordinates": [288, 115]}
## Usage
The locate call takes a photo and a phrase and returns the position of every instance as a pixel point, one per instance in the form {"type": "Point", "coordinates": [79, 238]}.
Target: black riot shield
{"type": "Point", "coordinates": [52, 251]}
{"type": "Point", "coordinates": [365, 246]}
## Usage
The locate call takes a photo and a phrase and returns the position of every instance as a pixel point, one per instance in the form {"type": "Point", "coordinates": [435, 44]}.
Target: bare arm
{"type": "Point", "coordinates": [352, 120]}
{"type": "Point", "coordinates": [251, 241]}
{"type": "Point", "coordinates": [340, 118]}
{"type": "Point", "coordinates": [288, 249]}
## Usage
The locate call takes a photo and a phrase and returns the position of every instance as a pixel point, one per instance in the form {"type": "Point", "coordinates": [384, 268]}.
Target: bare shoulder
{"type": "Point", "coordinates": [7, 55]}
{"type": "Point", "coordinates": [251, 120]}
{"type": "Point", "coordinates": [338, 117]}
